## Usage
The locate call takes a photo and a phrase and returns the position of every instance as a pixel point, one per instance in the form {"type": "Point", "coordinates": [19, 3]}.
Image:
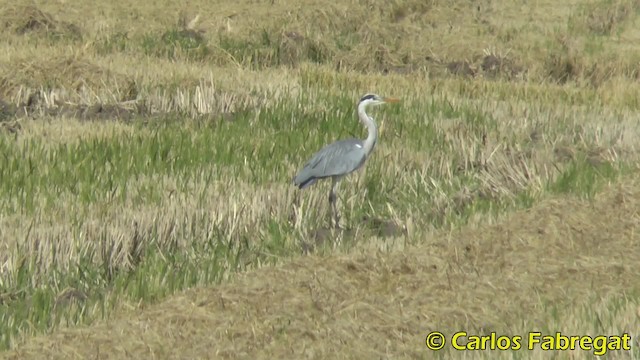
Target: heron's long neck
{"type": "Point", "coordinates": [370, 141]}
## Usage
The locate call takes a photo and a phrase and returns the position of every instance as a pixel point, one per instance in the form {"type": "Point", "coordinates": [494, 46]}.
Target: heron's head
{"type": "Point", "coordinates": [373, 99]}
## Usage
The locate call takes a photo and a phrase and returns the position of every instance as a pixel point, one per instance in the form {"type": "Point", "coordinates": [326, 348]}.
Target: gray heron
{"type": "Point", "coordinates": [342, 157]}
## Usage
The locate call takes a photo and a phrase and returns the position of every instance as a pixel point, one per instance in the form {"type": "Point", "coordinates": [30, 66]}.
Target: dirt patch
{"type": "Point", "coordinates": [493, 66]}
{"type": "Point", "coordinates": [7, 111]}
{"type": "Point", "coordinates": [24, 20]}
{"type": "Point", "coordinates": [7, 118]}
{"type": "Point", "coordinates": [97, 112]}
{"type": "Point", "coordinates": [10, 115]}
{"type": "Point", "coordinates": [489, 66]}
{"type": "Point", "coordinates": [327, 236]}
{"type": "Point", "coordinates": [462, 68]}
{"type": "Point", "coordinates": [33, 108]}
{"type": "Point", "coordinates": [373, 305]}
{"type": "Point", "coordinates": [383, 228]}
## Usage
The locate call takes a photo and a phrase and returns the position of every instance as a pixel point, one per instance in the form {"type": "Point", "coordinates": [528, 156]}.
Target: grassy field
{"type": "Point", "coordinates": [148, 148]}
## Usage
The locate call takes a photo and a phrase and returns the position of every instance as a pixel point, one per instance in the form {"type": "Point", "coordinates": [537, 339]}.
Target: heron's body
{"type": "Point", "coordinates": [342, 157]}
{"type": "Point", "coordinates": [338, 159]}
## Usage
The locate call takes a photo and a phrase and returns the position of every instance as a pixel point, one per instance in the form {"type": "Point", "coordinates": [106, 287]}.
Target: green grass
{"type": "Point", "coordinates": [174, 44]}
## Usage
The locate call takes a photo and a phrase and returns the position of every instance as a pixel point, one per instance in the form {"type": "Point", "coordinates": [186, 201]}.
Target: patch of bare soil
{"type": "Point", "coordinates": [7, 111]}
{"type": "Point", "coordinates": [11, 115]}
{"type": "Point", "coordinates": [32, 107]}
{"type": "Point", "coordinates": [7, 118]}
{"type": "Point", "coordinates": [489, 66]}
{"type": "Point", "coordinates": [97, 112]}
{"type": "Point", "coordinates": [376, 305]}
{"type": "Point", "coordinates": [325, 236]}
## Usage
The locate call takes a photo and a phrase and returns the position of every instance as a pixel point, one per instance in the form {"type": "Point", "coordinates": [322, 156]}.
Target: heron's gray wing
{"type": "Point", "coordinates": [340, 158]}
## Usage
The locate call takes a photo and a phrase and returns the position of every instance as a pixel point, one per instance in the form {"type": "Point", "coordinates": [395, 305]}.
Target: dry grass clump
{"type": "Point", "coordinates": [29, 19]}
{"type": "Point", "coordinates": [510, 277]}
{"type": "Point", "coordinates": [605, 17]}
{"type": "Point", "coordinates": [565, 62]}
{"type": "Point", "coordinates": [73, 73]}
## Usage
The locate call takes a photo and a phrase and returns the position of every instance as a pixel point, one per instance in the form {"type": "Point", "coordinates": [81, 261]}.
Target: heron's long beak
{"type": "Point", "coordinates": [391, 100]}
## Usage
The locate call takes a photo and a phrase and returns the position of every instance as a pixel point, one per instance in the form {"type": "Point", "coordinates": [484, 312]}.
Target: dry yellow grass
{"type": "Point", "coordinates": [121, 45]}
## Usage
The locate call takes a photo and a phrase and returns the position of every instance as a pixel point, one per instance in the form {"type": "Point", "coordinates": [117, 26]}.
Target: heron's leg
{"type": "Point", "coordinates": [332, 200]}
